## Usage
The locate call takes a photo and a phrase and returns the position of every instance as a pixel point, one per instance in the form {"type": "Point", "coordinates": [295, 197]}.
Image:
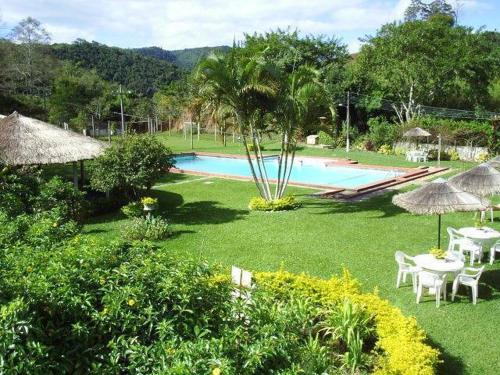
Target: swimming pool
{"type": "Point", "coordinates": [307, 171]}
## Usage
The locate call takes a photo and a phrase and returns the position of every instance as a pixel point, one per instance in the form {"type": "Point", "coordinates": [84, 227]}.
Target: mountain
{"type": "Point", "coordinates": [136, 71]}
{"type": "Point", "coordinates": [183, 58]}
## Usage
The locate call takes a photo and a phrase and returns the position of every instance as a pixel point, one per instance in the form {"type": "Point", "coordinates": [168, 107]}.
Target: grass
{"type": "Point", "coordinates": [211, 221]}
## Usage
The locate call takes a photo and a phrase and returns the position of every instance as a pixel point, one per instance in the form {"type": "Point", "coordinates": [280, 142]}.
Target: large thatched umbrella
{"type": "Point", "coordinates": [27, 141]}
{"type": "Point", "coordinates": [437, 198]}
{"type": "Point", "coordinates": [482, 180]}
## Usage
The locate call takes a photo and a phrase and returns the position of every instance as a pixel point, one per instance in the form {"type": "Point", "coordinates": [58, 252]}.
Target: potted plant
{"type": "Point", "coordinates": [150, 204]}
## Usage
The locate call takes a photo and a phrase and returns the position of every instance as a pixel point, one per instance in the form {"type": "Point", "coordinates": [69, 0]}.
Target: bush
{"type": "Point", "coordinates": [385, 150]}
{"type": "Point", "coordinates": [282, 204]}
{"type": "Point", "coordinates": [483, 157]}
{"type": "Point", "coordinates": [325, 138]}
{"type": "Point", "coordinates": [60, 195]}
{"type": "Point", "coordinates": [149, 228]}
{"type": "Point", "coordinates": [251, 148]}
{"type": "Point", "coordinates": [454, 155]}
{"type": "Point", "coordinates": [432, 155]}
{"type": "Point", "coordinates": [133, 209]}
{"type": "Point", "coordinates": [17, 192]}
{"type": "Point", "coordinates": [132, 164]}
{"type": "Point", "coordinates": [381, 132]}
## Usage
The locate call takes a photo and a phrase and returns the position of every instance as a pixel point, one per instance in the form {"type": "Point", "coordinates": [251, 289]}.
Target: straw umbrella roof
{"type": "Point", "coordinates": [482, 180]}
{"type": "Point", "coordinates": [417, 132]}
{"type": "Point", "coordinates": [25, 141]}
{"type": "Point", "coordinates": [495, 162]}
{"type": "Point", "coordinates": [436, 198]}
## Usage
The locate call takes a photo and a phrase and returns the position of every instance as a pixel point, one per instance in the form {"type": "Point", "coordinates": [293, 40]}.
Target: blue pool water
{"type": "Point", "coordinates": [304, 171]}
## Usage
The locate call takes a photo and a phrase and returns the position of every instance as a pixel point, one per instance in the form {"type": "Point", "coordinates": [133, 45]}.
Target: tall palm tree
{"type": "Point", "coordinates": [260, 97]}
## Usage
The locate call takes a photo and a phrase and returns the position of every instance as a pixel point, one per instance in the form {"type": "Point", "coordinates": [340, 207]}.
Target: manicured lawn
{"type": "Point", "coordinates": [211, 221]}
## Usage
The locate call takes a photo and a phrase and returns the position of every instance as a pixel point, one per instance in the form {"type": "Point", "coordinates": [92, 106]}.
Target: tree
{"type": "Point", "coordinates": [261, 97]}
{"type": "Point", "coordinates": [30, 63]}
{"type": "Point", "coordinates": [131, 165]}
{"type": "Point", "coordinates": [418, 10]}
{"type": "Point", "coordinates": [425, 62]}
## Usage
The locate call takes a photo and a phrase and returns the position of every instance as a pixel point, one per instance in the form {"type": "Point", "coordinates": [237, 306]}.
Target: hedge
{"type": "Point", "coordinates": [401, 341]}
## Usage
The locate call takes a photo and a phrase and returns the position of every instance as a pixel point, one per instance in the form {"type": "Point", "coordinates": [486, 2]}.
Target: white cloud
{"type": "Point", "coordinates": [176, 24]}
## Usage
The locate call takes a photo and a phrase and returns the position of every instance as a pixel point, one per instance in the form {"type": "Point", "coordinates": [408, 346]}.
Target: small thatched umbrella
{"type": "Point", "coordinates": [416, 133]}
{"type": "Point", "coordinates": [437, 198]}
{"type": "Point", "coordinates": [482, 180]}
{"type": "Point", "coordinates": [495, 162]}
{"type": "Point", "coordinates": [27, 141]}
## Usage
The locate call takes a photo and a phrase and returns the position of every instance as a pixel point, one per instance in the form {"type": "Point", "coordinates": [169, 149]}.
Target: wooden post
{"type": "Point", "coordinates": [198, 124]}
{"type": "Point", "coordinates": [156, 124]}
{"type": "Point", "coordinates": [93, 127]}
{"type": "Point", "coordinates": [191, 126]}
{"type": "Point", "coordinates": [75, 175]}
{"type": "Point", "coordinates": [82, 174]}
{"type": "Point", "coordinates": [233, 136]}
{"type": "Point", "coordinates": [109, 131]}
{"type": "Point", "coordinates": [215, 132]}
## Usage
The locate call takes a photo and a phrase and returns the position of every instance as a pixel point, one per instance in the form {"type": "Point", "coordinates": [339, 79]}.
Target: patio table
{"type": "Point", "coordinates": [441, 266]}
{"type": "Point", "coordinates": [486, 236]}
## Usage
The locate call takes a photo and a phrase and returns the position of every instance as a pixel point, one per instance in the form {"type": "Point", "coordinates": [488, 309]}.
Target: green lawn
{"type": "Point", "coordinates": [211, 221]}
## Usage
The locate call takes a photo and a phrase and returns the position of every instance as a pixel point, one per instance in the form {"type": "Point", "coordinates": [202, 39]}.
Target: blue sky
{"type": "Point", "coordinates": [175, 24]}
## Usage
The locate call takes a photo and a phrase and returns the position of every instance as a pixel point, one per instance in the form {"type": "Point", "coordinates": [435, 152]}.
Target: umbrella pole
{"type": "Point", "coordinates": [439, 231]}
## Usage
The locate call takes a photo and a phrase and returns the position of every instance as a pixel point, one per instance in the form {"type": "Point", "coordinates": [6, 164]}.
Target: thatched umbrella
{"type": "Point", "coordinates": [495, 162]}
{"type": "Point", "coordinates": [437, 198]}
{"type": "Point", "coordinates": [482, 180]}
{"type": "Point", "coordinates": [27, 141]}
{"type": "Point", "coordinates": [416, 133]}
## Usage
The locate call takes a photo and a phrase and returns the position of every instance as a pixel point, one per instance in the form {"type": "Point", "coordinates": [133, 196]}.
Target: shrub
{"type": "Point", "coordinates": [133, 209]}
{"type": "Point", "coordinates": [252, 148]}
{"type": "Point", "coordinates": [149, 228]}
{"type": "Point", "coordinates": [432, 155]}
{"type": "Point", "coordinates": [60, 195]}
{"type": "Point", "coordinates": [325, 138]}
{"type": "Point", "coordinates": [132, 164]}
{"type": "Point", "coordinates": [381, 132]}
{"type": "Point", "coordinates": [17, 192]}
{"type": "Point", "coordinates": [454, 155]}
{"type": "Point", "coordinates": [483, 157]}
{"type": "Point", "coordinates": [282, 204]}
{"type": "Point", "coordinates": [385, 150]}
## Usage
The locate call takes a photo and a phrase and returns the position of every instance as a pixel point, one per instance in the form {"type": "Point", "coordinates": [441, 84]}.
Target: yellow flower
{"type": "Point", "coordinates": [102, 281]}
{"type": "Point", "coordinates": [105, 310]}
{"type": "Point", "coordinates": [29, 269]}
{"type": "Point", "coordinates": [131, 302]}
{"type": "Point", "coordinates": [54, 225]}
{"type": "Point", "coordinates": [216, 371]}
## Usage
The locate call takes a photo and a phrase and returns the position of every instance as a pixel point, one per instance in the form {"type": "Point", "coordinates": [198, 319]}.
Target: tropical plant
{"type": "Point", "coordinates": [149, 228]}
{"type": "Point", "coordinates": [131, 165]}
{"type": "Point", "coordinates": [133, 209]}
{"type": "Point", "coordinates": [280, 204]}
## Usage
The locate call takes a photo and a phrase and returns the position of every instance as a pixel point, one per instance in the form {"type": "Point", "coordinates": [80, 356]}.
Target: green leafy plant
{"type": "Point", "coordinates": [149, 228]}
{"type": "Point", "coordinates": [282, 204]}
{"type": "Point", "coordinates": [454, 155]}
{"type": "Point", "coordinates": [385, 150]}
{"type": "Point", "coordinates": [483, 157]}
{"type": "Point", "coordinates": [133, 209]}
{"type": "Point", "coordinates": [149, 201]}
{"type": "Point", "coordinates": [325, 138]}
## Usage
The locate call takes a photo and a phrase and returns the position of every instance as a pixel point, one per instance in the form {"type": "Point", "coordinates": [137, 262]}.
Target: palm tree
{"type": "Point", "coordinates": [260, 97]}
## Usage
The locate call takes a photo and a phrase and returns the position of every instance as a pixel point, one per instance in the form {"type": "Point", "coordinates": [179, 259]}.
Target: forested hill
{"type": "Point", "coordinates": [183, 58]}
{"type": "Point", "coordinates": [134, 70]}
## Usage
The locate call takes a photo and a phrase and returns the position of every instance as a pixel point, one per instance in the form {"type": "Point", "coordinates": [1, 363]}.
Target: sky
{"type": "Point", "coordinates": [178, 24]}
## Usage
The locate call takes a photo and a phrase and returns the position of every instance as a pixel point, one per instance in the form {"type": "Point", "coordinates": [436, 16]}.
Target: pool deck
{"type": "Point", "coordinates": [410, 174]}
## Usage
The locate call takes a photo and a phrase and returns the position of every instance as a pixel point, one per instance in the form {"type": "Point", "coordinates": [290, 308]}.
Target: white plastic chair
{"type": "Point", "coordinates": [464, 245]}
{"type": "Point", "coordinates": [428, 280]}
{"type": "Point", "coordinates": [468, 277]}
{"type": "Point", "coordinates": [456, 254]}
{"type": "Point", "coordinates": [483, 213]}
{"type": "Point", "coordinates": [406, 268]}
{"type": "Point", "coordinates": [494, 249]}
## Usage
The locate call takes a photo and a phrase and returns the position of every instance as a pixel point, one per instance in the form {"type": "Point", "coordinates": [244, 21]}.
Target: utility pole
{"type": "Point", "coordinates": [191, 126]}
{"type": "Point", "coordinates": [121, 109]}
{"type": "Point", "coordinates": [439, 150]}
{"type": "Point", "coordinates": [93, 127]}
{"type": "Point", "coordinates": [348, 120]}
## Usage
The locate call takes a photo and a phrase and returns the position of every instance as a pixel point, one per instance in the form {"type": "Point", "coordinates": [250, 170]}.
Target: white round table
{"type": "Point", "coordinates": [430, 263]}
{"type": "Point", "coordinates": [441, 266]}
{"type": "Point", "coordinates": [480, 234]}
